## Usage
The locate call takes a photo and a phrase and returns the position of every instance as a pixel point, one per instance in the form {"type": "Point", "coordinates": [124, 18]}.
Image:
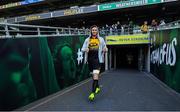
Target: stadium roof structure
{"type": "Point", "coordinates": [39, 6]}
{"type": "Point", "coordinates": [90, 14]}
{"type": "Point", "coordinates": [2, 2]}
{"type": "Point", "coordinates": [27, 7]}
{"type": "Point", "coordinates": [101, 8]}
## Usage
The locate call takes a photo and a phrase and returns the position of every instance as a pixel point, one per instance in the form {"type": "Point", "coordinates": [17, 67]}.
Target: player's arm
{"type": "Point", "coordinates": [105, 49]}
{"type": "Point", "coordinates": [85, 46]}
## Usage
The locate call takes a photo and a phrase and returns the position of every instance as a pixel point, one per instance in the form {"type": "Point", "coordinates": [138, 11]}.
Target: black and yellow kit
{"type": "Point", "coordinates": [93, 60]}
{"type": "Point", "coordinates": [94, 44]}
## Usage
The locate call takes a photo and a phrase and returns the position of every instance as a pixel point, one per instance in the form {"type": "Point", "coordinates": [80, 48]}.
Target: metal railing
{"type": "Point", "coordinates": [171, 25]}
{"type": "Point", "coordinates": [18, 31]}
{"type": "Point", "coordinates": [126, 31]}
{"type": "Point", "coordinates": [137, 29]}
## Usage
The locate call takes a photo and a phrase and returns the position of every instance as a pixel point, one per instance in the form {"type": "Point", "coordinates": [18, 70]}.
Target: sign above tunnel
{"type": "Point", "coordinates": [128, 39]}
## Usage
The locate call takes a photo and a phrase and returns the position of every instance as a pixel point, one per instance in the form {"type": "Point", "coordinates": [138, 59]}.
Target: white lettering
{"type": "Point", "coordinates": [165, 54]}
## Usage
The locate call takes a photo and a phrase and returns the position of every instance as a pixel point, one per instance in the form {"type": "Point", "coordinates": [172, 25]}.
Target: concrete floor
{"type": "Point", "coordinates": [121, 90]}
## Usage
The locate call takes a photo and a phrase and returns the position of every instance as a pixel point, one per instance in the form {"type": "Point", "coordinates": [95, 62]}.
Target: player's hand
{"type": "Point", "coordinates": [105, 49]}
{"type": "Point", "coordinates": [86, 50]}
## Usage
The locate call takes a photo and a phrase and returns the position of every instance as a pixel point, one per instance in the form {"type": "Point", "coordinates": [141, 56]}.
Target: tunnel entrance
{"type": "Point", "coordinates": [128, 57]}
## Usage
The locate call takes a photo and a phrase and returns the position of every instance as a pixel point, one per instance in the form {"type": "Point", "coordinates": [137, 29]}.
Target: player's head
{"type": "Point", "coordinates": [94, 30]}
{"type": "Point", "coordinates": [145, 22]}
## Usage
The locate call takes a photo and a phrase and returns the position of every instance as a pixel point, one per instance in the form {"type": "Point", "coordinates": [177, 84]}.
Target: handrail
{"type": "Point", "coordinates": [8, 30]}
{"type": "Point", "coordinates": [33, 26]}
{"type": "Point", "coordinates": [137, 30]}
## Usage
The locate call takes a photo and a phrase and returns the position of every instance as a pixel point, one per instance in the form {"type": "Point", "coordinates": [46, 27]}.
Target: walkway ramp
{"type": "Point", "coordinates": [122, 90]}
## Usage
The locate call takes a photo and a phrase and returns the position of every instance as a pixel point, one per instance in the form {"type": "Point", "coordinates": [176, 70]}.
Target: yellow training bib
{"type": "Point", "coordinates": [93, 43]}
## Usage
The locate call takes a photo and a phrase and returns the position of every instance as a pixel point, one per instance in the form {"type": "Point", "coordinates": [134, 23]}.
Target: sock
{"type": "Point", "coordinates": [94, 85]}
{"type": "Point", "coordinates": [97, 84]}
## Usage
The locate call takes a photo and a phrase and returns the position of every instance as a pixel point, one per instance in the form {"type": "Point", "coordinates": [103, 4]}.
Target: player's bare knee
{"type": "Point", "coordinates": [95, 74]}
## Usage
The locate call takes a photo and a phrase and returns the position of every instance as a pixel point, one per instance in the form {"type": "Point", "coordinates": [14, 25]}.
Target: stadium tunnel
{"type": "Point", "coordinates": [128, 57]}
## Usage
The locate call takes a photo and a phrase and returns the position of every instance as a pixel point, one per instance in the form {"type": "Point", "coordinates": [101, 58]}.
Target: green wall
{"type": "Point", "coordinates": [165, 56]}
{"type": "Point", "coordinates": [32, 68]}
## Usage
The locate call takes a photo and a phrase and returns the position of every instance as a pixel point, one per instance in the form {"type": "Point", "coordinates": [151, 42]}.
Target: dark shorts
{"type": "Point", "coordinates": [93, 61]}
{"type": "Point", "coordinates": [94, 65]}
